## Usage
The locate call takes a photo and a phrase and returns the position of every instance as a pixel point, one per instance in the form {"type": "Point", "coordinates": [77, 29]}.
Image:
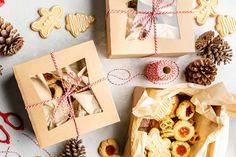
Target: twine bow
{"type": "Point", "coordinates": [69, 84]}
{"type": "Point", "coordinates": [150, 19]}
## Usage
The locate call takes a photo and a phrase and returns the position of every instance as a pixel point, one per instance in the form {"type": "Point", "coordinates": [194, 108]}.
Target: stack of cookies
{"type": "Point", "coordinates": [175, 133]}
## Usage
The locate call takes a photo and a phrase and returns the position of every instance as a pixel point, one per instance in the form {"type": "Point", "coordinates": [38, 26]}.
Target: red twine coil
{"type": "Point", "coordinates": [162, 71]}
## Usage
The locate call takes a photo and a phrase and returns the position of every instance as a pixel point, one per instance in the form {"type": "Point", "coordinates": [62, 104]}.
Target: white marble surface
{"type": "Point", "coordinates": [22, 12]}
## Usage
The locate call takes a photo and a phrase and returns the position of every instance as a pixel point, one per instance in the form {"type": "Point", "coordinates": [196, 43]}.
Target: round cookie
{"type": "Point", "coordinates": [109, 148]}
{"type": "Point", "coordinates": [185, 110]}
{"type": "Point", "coordinates": [175, 103]}
{"type": "Point", "coordinates": [183, 130]}
{"type": "Point", "coordinates": [180, 149]}
{"type": "Point", "coordinates": [167, 123]}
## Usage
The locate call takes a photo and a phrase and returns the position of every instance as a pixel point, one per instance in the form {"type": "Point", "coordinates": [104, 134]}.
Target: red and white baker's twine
{"type": "Point", "coordinates": [112, 74]}
{"type": "Point", "coordinates": [151, 18]}
{"type": "Point", "coordinates": [154, 73]}
{"type": "Point", "coordinates": [8, 151]}
{"type": "Point", "coordinates": [69, 91]}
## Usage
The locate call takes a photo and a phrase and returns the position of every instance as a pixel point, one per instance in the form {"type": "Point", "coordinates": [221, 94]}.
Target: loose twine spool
{"type": "Point", "coordinates": [158, 72]}
{"type": "Point", "coordinates": [163, 70]}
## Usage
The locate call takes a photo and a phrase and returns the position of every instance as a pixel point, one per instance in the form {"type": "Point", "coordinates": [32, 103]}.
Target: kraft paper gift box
{"type": "Point", "coordinates": [209, 119]}
{"type": "Point", "coordinates": [43, 88]}
{"type": "Point", "coordinates": [175, 32]}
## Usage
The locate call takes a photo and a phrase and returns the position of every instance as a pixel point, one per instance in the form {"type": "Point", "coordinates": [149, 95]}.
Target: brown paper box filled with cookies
{"type": "Point", "coordinates": [135, 29]}
{"type": "Point", "coordinates": [66, 94]}
{"type": "Point", "coordinates": [182, 121]}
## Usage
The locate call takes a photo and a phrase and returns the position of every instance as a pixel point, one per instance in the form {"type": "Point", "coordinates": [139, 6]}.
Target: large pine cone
{"type": "Point", "coordinates": [74, 148]}
{"type": "Point", "coordinates": [214, 48]}
{"type": "Point", "coordinates": [201, 71]}
{"type": "Point", "coordinates": [10, 41]}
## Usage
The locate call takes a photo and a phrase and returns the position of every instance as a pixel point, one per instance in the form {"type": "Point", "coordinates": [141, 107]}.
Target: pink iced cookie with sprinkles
{"type": "Point", "coordinates": [162, 70]}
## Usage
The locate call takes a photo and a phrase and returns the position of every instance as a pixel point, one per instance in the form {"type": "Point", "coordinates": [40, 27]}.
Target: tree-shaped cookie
{"type": "Point", "coordinates": [225, 25]}
{"type": "Point", "coordinates": [204, 9]}
{"type": "Point", "coordinates": [156, 145]}
{"type": "Point", "coordinates": [49, 19]}
{"type": "Point", "coordinates": [78, 23]}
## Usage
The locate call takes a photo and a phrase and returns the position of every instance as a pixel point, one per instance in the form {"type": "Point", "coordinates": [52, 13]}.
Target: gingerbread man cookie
{"type": "Point", "coordinates": [225, 25]}
{"type": "Point", "coordinates": [204, 9]}
{"type": "Point", "coordinates": [157, 146]}
{"type": "Point", "coordinates": [49, 19]}
{"type": "Point", "coordinates": [78, 23]}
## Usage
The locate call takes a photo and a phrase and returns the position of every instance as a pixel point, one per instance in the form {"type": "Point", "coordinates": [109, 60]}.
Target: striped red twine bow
{"type": "Point", "coordinates": [68, 83]}
{"type": "Point", "coordinates": [150, 18]}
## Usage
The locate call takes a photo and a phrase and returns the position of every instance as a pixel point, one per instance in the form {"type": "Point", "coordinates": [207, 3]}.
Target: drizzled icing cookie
{"type": "Point", "coordinates": [78, 23]}
{"type": "Point", "coordinates": [204, 9]}
{"type": "Point", "coordinates": [49, 19]}
{"type": "Point", "coordinates": [225, 25]}
{"type": "Point", "coordinates": [157, 146]}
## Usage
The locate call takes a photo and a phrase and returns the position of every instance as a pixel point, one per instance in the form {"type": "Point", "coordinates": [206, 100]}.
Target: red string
{"type": "Point", "coordinates": [154, 73]}
{"type": "Point", "coordinates": [150, 18]}
{"type": "Point", "coordinates": [69, 91]}
{"type": "Point", "coordinates": [126, 79]}
{"type": "Point", "coordinates": [9, 152]}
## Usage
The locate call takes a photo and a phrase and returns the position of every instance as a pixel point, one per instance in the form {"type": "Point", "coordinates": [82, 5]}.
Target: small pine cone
{"type": "Point", "coordinates": [10, 41]}
{"type": "Point", "coordinates": [217, 50]}
{"type": "Point", "coordinates": [201, 71]}
{"type": "Point", "coordinates": [74, 148]}
{"type": "Point", "coordinates": [204, 40]}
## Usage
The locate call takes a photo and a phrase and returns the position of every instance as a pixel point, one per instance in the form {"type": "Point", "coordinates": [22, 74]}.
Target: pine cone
{"type": "Point", "coordinates": [74, 148]}
{"type": "Point", "coordinates": [201, 71]}
{"type": "Point", "coordinates": [10, 41]}
{"type": "Point", "coordinates": [215, 49]}
{"type": "Point", "coordinates": [204, 40]}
